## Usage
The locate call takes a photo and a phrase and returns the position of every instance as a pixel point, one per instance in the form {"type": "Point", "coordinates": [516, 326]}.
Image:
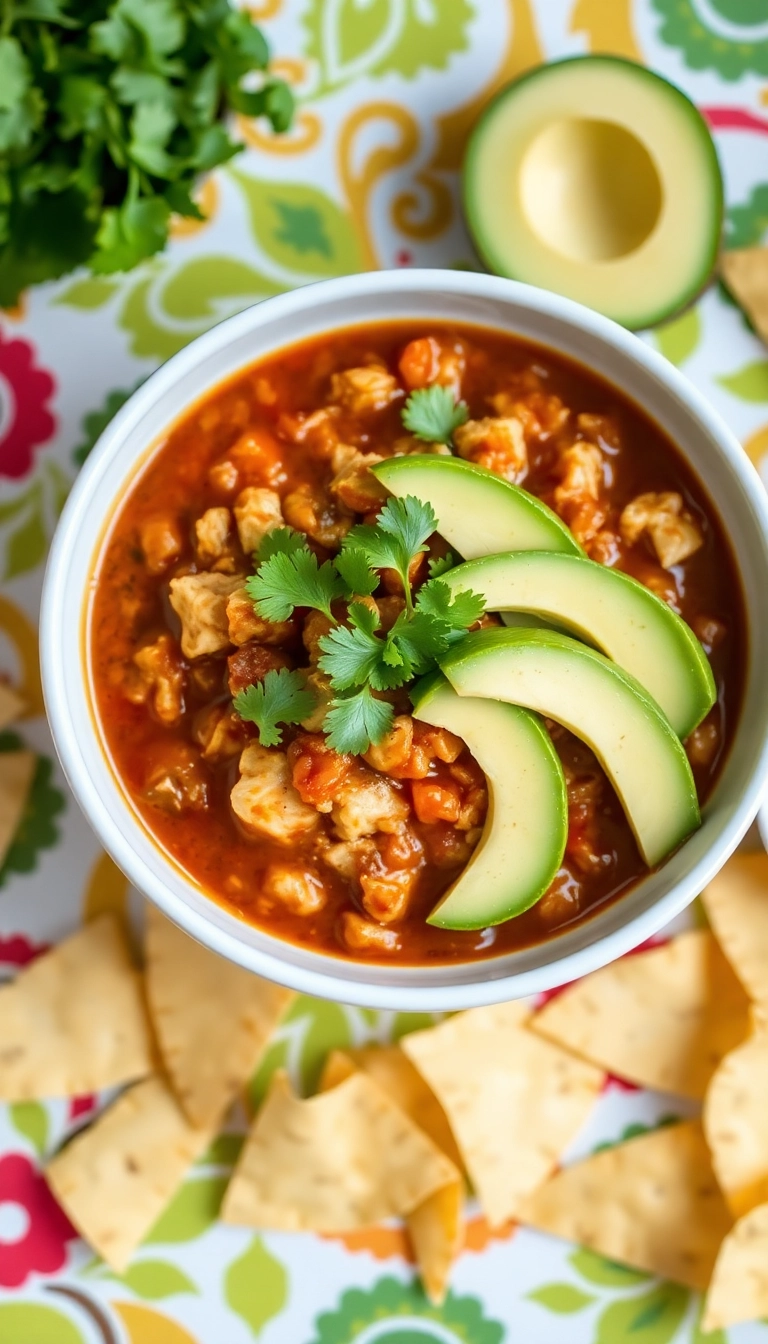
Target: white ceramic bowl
{"type": "Point", "coordinates": [536, 314]}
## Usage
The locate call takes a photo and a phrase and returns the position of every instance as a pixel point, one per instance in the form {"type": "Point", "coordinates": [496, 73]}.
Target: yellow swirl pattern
{"type": "Point", "coordinates": [359, 181]}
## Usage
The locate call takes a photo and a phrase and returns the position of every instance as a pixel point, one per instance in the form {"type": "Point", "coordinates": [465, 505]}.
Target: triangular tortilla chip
{"type": "Point", "coordinates": [736, 1124]}
{"type": "Point", "coordinates": [401, 1080]}
{"type": "Point", "coordinates": [115, 1178]}
{"type": "Point", "coordinates": [745, 272]}
{"type": "Point", "coordinates": [514, 1101]}
{"type": "Point", "coordinates": [340, 1160]}
{"type": "Point", "coordinates": [436, 1227]}
{"type": "Point", "coordinates": [17, 770]}
{"type": "Point", "coordinates": [663, 1019]}
{"type": "Point", "coordinates": [652, 1203]}
{"type": "Point", "coordinates": [213, 1020]}
{"type": "Point", "coordinates": [736, 902]}
{"type": "Point", "coordinates": [11, 705]}
{"type": "Point", "coordinates": [74, 1021]}
{"type": "Point", "coordinates": [739, 1287]}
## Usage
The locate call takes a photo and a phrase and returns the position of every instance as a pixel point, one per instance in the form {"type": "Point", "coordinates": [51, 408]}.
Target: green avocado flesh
{"type": "Point", "coordinates": [526, 829]}
{"type": "Point", "coordinates": [598, 179]}
{"type": "Point", "coordinates": [478, 513]}
{"type": "Point", "coordinates": [599, 702]}
{"type": "Point", "coordinates": [622, 618]}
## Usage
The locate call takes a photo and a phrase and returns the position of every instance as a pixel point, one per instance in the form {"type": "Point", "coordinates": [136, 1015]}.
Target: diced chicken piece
{"type": "Point", "coordinates": [369, 388]}
{"type": "Point", "coordinates": [429, 360]}
{"type": "Point", "coordinates": [409, 748]}
{"type": "Point", "coordinates": [212, 535]}
{"type": "Point", "coordinates": [348, 858]}
{"type": "Point", "coordinates": [315, 626]}
{"type": "Point", "coordinates": [360, 935]}
{"type": "Point", "coordinates": [601, 429]}
{"type": "Point", "coordinates": [158, 680]}
{"type": "Point", "coordinates": [408, 443]}
{"type": "Point", "coordinates": [265, 801]}
{"type": "Point", "coordinates": [437, 801]}
{"type": "Point", "coordinates": [224, 478]}
{"type": "Point", "coordinates": [541, 414]}
{"type": "Point", "coordinates": [200, 602]}
{"type": "Point", "coordinates": [258, 457]}
{"type": "Point", "coordinates": [386, 896]}
{"type": "Point", "coordinates": [356, 487]}
{"type": "Point", "coordinates": [605, 548]}
{"type": "Point", "coordinates": [266, 394]}
{"type": "Point", "coordinates": [257, 512]}
{"type": "Point", "coordinates": [177, 780]}
{"type": "Point", "coordinates": [220, 732]}
{"type": "Point", "coordinates": [320, 687]}
{"type": "Point", "coordinates": [162, 543]}
{"type": "Point", "coordinates": [309, 509]}
{"type": "Point", "coordinates": [447, 847]}
{"type": "Point", "coordinates": [673, 533]}
{"type": "Point", "coordinates": [702, 744]}
{"type": "Point", "coordinates": [317, 429]}
{"type": "Point", "coordinates": [296, 887]}
{"type": "Point", "coordinates": [251, 663]}
{"type": "Point", "coordinates": [206, 677]}
{"type": "Point", "coordinates": [497, 444]}
{"type": "Point", "coordinates": [662, 583]}
{"type": "Point", "coordinates": [318, 772]}
{"type": "Point", "coordinates": [562, 900]}
{"type": "Point", "coordinates": [709, 631]}
{"type": "Point", "coordinates": [577, 497]}
{"type": "Point", "coordinates": [367, 803]}
{"type": "Point", "coordinates": [246, 624]}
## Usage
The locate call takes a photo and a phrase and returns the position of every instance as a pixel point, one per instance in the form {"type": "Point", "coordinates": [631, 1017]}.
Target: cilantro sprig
{"type": "Point", "coordinates": [433, 413]}
{"type": "Point", "coordinates": [361, 661]}
{"type": "Point", "coordinates": [282, 697]}
{"type": "Point", "coordinates": [109, 111]}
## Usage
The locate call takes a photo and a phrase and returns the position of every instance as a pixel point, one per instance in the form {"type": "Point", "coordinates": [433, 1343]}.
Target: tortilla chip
{"type": "Point", "coordinates": [736, 902]}
{"type": "Point", "coordinates": [513, 1100]}
{"type": "Point", "coordinates": [11, 705]}
{"type": "Point", "coordinates": [74, 1021]}
{"type": "Point", "coordinates": [736, 1124]}
{"type": "Point", "coordinates": [652, 1203]}
{"type": "Point", "coordinates": [394, 1072]}
{"type": "Point", "coordinates": [340, 1160]}
{"type": "Point", "coordinates": [739, 1287]}
{"type": "Point", "coordinates": [745, 272]}
{"type": "Point", "coordinates": [663, 1018]}
{"type": "Point", "coordinates": [213, 1020]}
{"type": "Point", "coordinates": [115, 1179]}
{"type": "Point", "coordinates": [17, 770]}
{"type": "Point", "coordinates": [436, 1230]}
{"type": "Point", "coordinates": [436, 1227]}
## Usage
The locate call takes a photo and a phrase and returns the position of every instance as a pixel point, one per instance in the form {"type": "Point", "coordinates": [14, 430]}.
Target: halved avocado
{"type": "Point", "coordinates": [478, 512]}
{"type": "Point", "coordinates": [624, 619]}
{"type": "Point", "coordinates": [523, 843]}
{"type": "Point", "coordinates": [599, 702]}
{"type": "Point", "coordinates": [598, 179]}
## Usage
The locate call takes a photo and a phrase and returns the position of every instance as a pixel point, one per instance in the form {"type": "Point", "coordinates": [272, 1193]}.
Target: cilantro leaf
{"type": "Point", "coordinates": [284, 582]}
{"type": "Point", "coordinates": [130, 232]}
{"type": "Point", "coordinates": [350, 657]}
{"type": "Point", "coordinates": [282, 697]}
{"type": "Point", "coordinates": [352, 565]}
{"type": "Point", "coordinates": [280, 541]}
{"type": "Point", "coordinates": [441, 564]}
{"type": "Point", "coordinates": [432, 413]}
{"type": "Point", "coordinates": [355, 721]}
{"type": "Point", "coordinates": [398, 536]}
{"type": "Point", "coordinates": [457, 609]}
{"type": "Point", "coordinates": [420, 640]}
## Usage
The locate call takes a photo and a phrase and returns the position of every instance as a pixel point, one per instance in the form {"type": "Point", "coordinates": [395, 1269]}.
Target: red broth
{"type": "Point", "coordinates": [390, 834]}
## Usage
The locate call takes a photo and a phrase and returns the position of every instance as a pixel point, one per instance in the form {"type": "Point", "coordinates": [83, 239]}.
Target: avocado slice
{"type": "Point", "coordinates": [596, 178]}
{"type": "Point", "coordinates": [602, 704]}
{"type": "Point", "coordinates": [621, 617]}
{"type": "Point", "coordinates": [477, 511]}
{"type": "Point", "coordinates": [523, 843]}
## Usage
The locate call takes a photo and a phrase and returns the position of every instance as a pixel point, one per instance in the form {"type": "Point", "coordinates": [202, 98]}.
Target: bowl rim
{"type": "Point", "coordinates": [322, 978]}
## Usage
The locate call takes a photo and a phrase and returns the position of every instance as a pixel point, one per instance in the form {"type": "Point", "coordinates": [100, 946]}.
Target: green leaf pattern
{"type": "Point", "coordinates": [347, 39]}
{"type": "Point", "coordinates": [30, 1118]}
{"type": "Point", "coordinates": [256, 1286]}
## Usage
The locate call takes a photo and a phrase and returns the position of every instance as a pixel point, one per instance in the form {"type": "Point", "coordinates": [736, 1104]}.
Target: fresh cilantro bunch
{"type": "Point", "coordinates": [109, 111]}
{"type": "Point", "coordinates": [357, 657]}
{"type": "Point", "coordinates": [433, 413]}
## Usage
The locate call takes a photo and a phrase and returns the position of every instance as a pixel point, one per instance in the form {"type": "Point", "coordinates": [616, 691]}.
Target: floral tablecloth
{"type": "Point", "coordinates": [368, 177]}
